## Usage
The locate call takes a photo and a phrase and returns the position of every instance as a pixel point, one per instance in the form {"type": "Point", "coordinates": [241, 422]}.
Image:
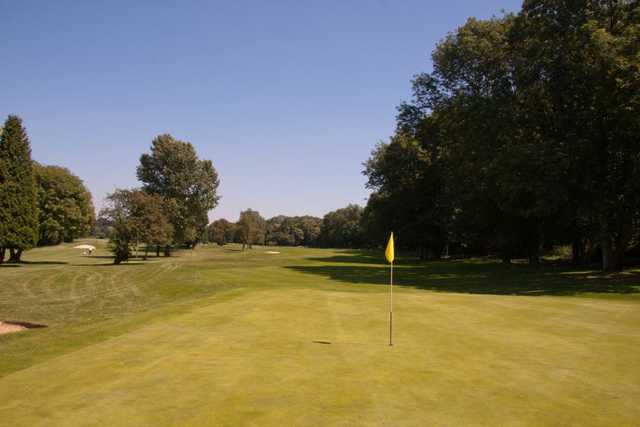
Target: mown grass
{"type": "Point", "coordinates": [217, 336]}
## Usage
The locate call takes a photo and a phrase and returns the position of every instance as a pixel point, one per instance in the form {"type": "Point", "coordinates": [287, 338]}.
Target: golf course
{"type": "Point", "coordinates": [297, 336]}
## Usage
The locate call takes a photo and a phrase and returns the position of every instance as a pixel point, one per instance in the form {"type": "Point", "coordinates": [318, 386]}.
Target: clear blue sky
{"type": "Point", "coordinates": [287, 98]}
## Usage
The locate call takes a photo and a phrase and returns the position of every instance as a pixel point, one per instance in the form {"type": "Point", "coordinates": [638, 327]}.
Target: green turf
{"type": "Point", "coordinates": [221, 337]}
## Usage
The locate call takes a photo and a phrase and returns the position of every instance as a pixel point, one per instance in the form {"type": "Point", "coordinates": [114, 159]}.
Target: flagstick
{"type": "Point", "coordinates": [391, 308]}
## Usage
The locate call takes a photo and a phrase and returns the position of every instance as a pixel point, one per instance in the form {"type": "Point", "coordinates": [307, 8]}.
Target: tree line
{"type": "Point", "coordinates": [525, 135]}
{"type": "Point", "coordinates": [39, 205]}
{"type": "Point", "coordinates": [337, 229]}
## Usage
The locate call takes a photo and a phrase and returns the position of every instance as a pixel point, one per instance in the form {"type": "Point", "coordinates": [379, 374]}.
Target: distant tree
{"type": "Point", "coordinates": [135, 217]}
{"type": "Point", "coordinates": [149, 217]}
{"type": "Point", "coordinates": [189, 185]}
{"type": "Point", "coordinates": [117, 213]}
{"type": "Point", "coordinates": [102, 228]}
{"type": "Point", "coordinates": [252, 228]}
{"type": "Point", "coordinates": [18, 202]}
{"type": "Point", "coordinates": [293, 231]}
{"type": "Point", "coordinates": [310, 226]}
{"type": "Point", "coordinates": [65, 207]}
{"type": "Point", "coordinates": [221, 231]}
{"type": "Point", "coordinates": [341, 228]}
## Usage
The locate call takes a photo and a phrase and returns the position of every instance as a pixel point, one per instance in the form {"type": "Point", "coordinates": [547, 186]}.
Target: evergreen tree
{"type": "Point", "coordinates": [18, 204]}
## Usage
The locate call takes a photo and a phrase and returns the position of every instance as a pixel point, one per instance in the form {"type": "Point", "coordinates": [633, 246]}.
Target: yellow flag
{"type": "Point", "coordinates": [389, 253]}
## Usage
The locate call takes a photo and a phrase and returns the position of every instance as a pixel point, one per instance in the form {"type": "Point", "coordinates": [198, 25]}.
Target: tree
{"type": "Point", "coordinates": [221, 231]}
{"type": "Point", "coordinates": [341, 228]}
{"type": "Point", "coordinates": [135, 216]}
{"type": "Point", "coordinates": [18, 203]}
{"type": "Point", "coordinates": [149, 217]}
{"type": "Point", "coordinates": [251, 227]}
{"type": "Point", "coordinates": [504, 117]}
{"type": "Point", "coordinates": [409, 196]}
{"type": "Point", "coordinates": [588, 80]}
{"type": "Point", "coordinates": [189, 185]}
{"type": "Point", "coordinates": [117, 213]}
{"type": "Point", "coordinates": [65, 207]}
{"type": "Point", "coordinates": [293, 230]}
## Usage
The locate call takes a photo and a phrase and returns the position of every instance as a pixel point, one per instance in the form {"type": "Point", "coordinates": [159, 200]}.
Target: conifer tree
{"type": "Point", "coordinates": [18, 204]}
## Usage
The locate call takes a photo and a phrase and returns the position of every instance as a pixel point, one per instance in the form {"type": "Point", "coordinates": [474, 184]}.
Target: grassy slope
{"type": "Point", "coordinates": [222, 337]}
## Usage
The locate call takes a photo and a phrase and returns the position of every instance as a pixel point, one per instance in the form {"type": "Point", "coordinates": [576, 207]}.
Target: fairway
{"type": "Point", "coordinates": [217, 336]}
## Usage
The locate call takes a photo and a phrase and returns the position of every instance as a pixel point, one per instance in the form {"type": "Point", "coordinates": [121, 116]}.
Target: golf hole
{"type": "Point", "coordinates": [322, 342]}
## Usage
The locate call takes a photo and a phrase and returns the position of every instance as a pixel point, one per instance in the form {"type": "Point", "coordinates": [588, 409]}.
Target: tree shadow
{"type": "Point", "coordinates": [43, 262]}
{"type": "Point", "coordinates": [475, 276]}
{"type": "Point", "coordinates": [111, 264]}
{"type": "Point", "coordinates": [357, 257]}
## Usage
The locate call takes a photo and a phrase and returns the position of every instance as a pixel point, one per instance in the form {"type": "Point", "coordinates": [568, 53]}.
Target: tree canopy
{"type": "Point", "coordinates": [65, 206]}
{"type": "Point", "coordinates": [18, 196]}
{"type": "Point", "coordinates": [188, 185]}
{"type": "Point", "coordinates": [514, 143]}
{"type": "Point", "coordinates": [251, 228]}
{"type": "Point", "coordinates": [341, 228]}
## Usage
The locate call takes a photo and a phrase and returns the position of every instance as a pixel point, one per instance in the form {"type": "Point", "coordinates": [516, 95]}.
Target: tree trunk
{"type": "Point", "coordinates": [578, 252]}
{"type": "Point", "coordinates": [146, 252]}
{"type": "Point", "coordinates": [167, 250]}
{"type": "Point", "coordinates": [608, 257]}
{"type": "Point", "coordinates": [534, 255]}
{"type": "Point", "coordinates": [506, 258]}
{"type": "Point", "coordinates": [15, 255]}
{"type": "Point", "coordinates": [2, 251]}
{"type": "Point", "coordinates": [157, 250]}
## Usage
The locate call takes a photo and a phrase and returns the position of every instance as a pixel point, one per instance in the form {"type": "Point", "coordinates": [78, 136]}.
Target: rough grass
{"type": "Point", "coordinates": [221, 337]}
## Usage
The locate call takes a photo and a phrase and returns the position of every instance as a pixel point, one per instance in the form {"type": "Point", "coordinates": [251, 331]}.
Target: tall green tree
{"type": "Point", "coordinates": [18, 203]}
{"type": "Point", "coordinates": [221, 231]}
{"type": "Point", "coordinates": [135, 217]}
{"type": "Point", "coordinates": [189, 185]}
{"type": "Point", "coordinates": [65, 207]}
{"type": "Point", "coordinates": [524, 135]}
{"type": "Point", "coordinates": [585, 87]}
{"type": "Point", "coordinates": [251, 228]}
{"type": "Point", "coordinates": [341, 228]}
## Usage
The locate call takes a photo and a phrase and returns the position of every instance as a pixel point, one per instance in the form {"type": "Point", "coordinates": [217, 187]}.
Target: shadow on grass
{"type": "Point", "coordinates": [473, 276]}
{"type": "Point", "coordinates": [43, 262]}
{"type": "Point", "coordinates": [111, 264]}
{"type": "Point", "coordinates": [18, 264]}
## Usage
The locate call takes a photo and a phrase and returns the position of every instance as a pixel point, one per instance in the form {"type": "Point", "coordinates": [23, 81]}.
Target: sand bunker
{"type": "Point", "coordinates": [10, 326]}
{"type": "Point", "coordinates": [272, 252]}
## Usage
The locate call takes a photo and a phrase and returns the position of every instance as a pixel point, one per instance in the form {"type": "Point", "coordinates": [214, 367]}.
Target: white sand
{"type": "Point", "coordinates": [7, 328]}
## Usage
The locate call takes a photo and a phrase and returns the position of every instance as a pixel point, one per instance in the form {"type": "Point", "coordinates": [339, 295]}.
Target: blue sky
{"type": "Point", "coordinates": [287, 98]}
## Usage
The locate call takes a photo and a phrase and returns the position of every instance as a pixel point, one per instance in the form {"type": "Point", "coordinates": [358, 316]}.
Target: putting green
{"type": "Point", "coordinates": [283, 342]}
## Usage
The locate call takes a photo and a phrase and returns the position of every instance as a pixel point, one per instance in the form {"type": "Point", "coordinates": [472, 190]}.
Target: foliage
{"type": "Point", "coordinates": [221, 231]}
{"type": "Point", "coordinates": [18, 203]}
{"type": "Point", "coordinates": [189, 185]}
{"type": "Point", "coordinates": [251, 228]}
{"type": "Point", "coordinates": [135, 216]}
{"type": "Point", "coordinates": [504, 117]}
{"type": "Point", "coordinates": [293, 231]}
{"type": "Point", "coordinates": [65, 207]}
{"type": "Point", "coordinates": [341, 228]}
